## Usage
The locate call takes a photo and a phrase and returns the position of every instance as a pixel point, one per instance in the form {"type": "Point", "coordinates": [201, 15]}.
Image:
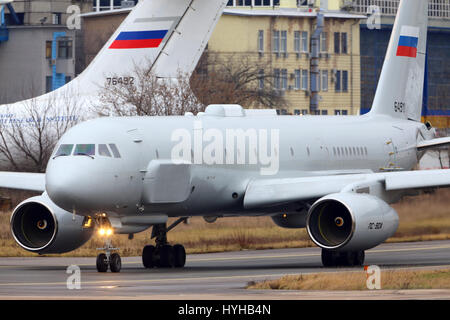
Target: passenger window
{"type": "Point", "coordinates": [114, 150]}
{"type": "Point", "coordinates": [104, 151]}
{"type": "Point", "coordinates": [84, 150]}
{"type": "Point", "coordinates": [64, 150]}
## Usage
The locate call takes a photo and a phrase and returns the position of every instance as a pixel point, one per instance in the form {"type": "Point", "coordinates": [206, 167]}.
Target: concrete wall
{"type": "Point", "coordinates": [23, 63]}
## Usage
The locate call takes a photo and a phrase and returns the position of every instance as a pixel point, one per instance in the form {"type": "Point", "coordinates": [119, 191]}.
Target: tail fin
{"type": "Point", "coordinates": [185, 47]}
{"type": "Point", "coordinates": [400, 87]}
{"type": "Point", "coordinates": [173, 30]}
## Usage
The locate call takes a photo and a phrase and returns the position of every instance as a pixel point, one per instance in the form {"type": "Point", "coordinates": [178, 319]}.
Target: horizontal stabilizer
{"type": "Point", "coordinates": [433, 143]}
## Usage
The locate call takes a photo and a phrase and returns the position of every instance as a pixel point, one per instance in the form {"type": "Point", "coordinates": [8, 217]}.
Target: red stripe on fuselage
{"type": "Point", "coordinates": [136, 44]}
{"type": "Point", "coordinates": [403, 51]}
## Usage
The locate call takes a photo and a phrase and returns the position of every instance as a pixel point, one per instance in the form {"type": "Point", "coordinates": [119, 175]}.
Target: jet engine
{"type": "Point", "coordinates": [350, 222]}
{"type": "Point", "coordinates": [39, 226]}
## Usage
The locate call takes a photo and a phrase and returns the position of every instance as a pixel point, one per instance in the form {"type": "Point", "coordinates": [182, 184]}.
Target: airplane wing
{"type": "Point", "coordinates": [23, 181]}
{"type": "Point", "coordinates": [433, 143]}
{"type": "Point", "coordinates": [269, 192]}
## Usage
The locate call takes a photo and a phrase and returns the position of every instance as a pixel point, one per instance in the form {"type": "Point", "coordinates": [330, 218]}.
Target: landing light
{"type": "Point", "coordinates": [105, 232]}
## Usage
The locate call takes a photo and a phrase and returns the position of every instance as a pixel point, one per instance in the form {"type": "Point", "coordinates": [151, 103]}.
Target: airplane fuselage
{"type": "Point", "coordinates": [222, 165]}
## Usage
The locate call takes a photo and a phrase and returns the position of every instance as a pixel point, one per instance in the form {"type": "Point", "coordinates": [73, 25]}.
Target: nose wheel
{"type": "Point", "coordinates": [164, 255]}
{"type": "Point", "coordinates": [107, 259]}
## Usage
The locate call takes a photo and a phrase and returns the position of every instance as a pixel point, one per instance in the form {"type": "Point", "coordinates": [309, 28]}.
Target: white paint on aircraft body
{"type": "Point", "coordinates": [306, 149]}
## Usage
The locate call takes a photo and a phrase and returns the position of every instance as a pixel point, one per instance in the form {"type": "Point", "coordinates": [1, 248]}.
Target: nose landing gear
{"type": "Point", "coordinates": [108, 259]}
{"type": "Point", "coordinates": [163, 255]}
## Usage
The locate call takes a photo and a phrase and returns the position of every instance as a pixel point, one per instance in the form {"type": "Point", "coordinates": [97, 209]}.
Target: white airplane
{"type": "Point", "coordinates": [167, 36]}
{"type": "Point", "coordinates": [336, 176]}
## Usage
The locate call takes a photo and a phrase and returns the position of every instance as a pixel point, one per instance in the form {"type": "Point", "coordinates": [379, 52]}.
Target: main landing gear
{"type": "Point", "coordinates": [163, 255]}
{"type": "Point", "coordinates": [342, 259]}
{"type": "Point", "coordinates": [109, 258]}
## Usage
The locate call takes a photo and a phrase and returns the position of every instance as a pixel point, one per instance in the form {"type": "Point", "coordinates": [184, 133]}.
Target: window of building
{"type": "Point", "coordinates": [304, 41]}
{"type": "Point", "coordinates": [304, 111]}
{"type": "Point", "coordinates": [48, 84]}
{"type": "Point", "coordinates": [56, 18]}
{"type": "Point", "coordinates": [324, 112]}
{"type": "Point", "coordinates": [297, 76]}
{"type": "Point", "coordinates": [344, 42]}
{"type": "Point", "coordinates": [48, 49]}
{"type": "Point", "coordinates": [297, 41]}
{"type": "Point", "coordinates": [323, 42]}
{"type": "Point", "coordinates": [65, 49]}
{"type": "Point", "coordinates": [304, 79]}
{"type": "Point", "coordinates": [337, 83]}
{"type": "Point", "coordinates": [284, 41]}
{"type": "Point", "coordinates": [344, 112]}
{"type": "Point", "coordinates": [276, 41]}
{"type": "Point", "coordinates": [296, 112]}
{"type": "Point", "coordinates": [337, 42]}
{"type": "Point", "coordinates": [344, 81]}
{"type": "Point", "coordinates": [261, 41]}
{"type": "Point", "coordinates": [277, 80]}
{"type": "Point", "coordinates": [284, 79]}
{"type": "Point", "coordinates": [261, 79]}
{"type": "Point", "coordinates": [256, 3]}
{"type": "Point", "coordinates": [324, 75]}
{"type": "Point", "coordinates": [337, 112]}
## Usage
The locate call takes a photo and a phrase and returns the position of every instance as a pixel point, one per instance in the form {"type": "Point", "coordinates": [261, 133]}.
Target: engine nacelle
{"type": "Point", "coordinates": [39, 226]}
{"type": "Point", "coordinates": [350, 221]}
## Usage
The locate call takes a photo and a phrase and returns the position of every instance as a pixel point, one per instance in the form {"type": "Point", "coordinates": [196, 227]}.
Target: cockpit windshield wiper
{"type": "Point", "coordinates": [83, 154]}
{"type": "Point", "coordinates": [60, 155]}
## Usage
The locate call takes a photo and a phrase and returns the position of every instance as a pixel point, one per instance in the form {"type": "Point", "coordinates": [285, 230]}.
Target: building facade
{"type": "Point", "coordinates": [280, 39]}
{"type": "Point", "coordinates": [374, 42]}
{"type": "Point", "coordinates": [38, 53]}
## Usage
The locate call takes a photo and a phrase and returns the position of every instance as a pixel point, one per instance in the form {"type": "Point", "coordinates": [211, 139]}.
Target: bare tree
{"type": "Point", "coordinates": [236, 79]}
{"type": "Point", "coordinates": [144, 94]}
{"type": "Point", "coordinates": [28, 136]}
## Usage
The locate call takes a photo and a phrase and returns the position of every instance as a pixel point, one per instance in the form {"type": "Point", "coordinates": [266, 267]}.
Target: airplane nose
{"type": "Point", "coordinates": [69, 183]}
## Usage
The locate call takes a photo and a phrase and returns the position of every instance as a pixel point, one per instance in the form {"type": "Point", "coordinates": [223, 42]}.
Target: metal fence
{"type": "Point", "coordinates": [436, 8]}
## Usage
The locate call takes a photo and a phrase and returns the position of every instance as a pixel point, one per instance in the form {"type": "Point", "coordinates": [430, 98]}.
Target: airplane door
{"type": "Point", "coordinates": [138, 141]}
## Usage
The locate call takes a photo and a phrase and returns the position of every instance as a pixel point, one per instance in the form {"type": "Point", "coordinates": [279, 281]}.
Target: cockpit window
{"type": "Point", "coordinates": [64, 150]}
{"type": "Point", "coordinates": [84, 150]}
{"type": "Point", "coordinates": [103, 150]}
{"type": "Point", "coordinates": [114, 150]}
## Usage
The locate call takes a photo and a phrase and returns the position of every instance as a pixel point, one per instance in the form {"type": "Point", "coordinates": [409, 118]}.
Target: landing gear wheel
{"type": "Point", "coordinates": [115, 263]}
{"type": "Point", "coordinates": [102, 263]}
{"type": "Point", "coordinates": [148, 258]}
{"type": "Point", "coordinates": [166, 256]}
{"type": "Point", "coordinates": [342, 259]}
{"type": "Point", "coordinates": [179, 256]}
{"type": "Point", "coordinates": [359, 258]}
{"type": "Point", "coordinates": [329, 258]}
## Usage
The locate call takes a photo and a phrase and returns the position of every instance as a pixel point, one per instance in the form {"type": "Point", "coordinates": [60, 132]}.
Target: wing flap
{"type": "Point", "coordinates": [23, 181]}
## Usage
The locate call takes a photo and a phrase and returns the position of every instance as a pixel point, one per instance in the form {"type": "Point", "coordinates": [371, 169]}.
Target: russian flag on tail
{"type": "Point", "coordinates": [138, 39]}
{"type": "Point", "coordinates": [408, 42]}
